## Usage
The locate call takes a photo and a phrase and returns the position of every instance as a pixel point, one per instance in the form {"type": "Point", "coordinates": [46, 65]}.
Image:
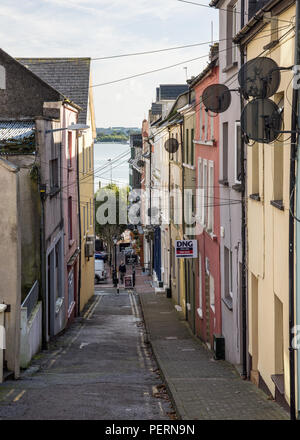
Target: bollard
{"type": "Point", "coordinates": [2, 339]}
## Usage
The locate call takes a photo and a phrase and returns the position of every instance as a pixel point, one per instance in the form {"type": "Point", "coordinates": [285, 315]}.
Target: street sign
{"type": "Point", "coordinates": [186, 249]}
{"type": "Point", "coordinates": [128, 282]}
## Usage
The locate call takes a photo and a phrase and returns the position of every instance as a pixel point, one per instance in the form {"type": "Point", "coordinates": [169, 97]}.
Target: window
{"type": "Point", "coordinates": [234, 32]}
{"type": "Point", "coordinates": [192, 147]}
{"type": "Point", "coordinates": [274, 29]}
{"type": "Point", "coordinates": [83, 156]}
{"type": "Point", "coordinates": [237, 148]}
{"type": "Point", "coordinates": [70, 222]}
{"type": "Point", "coordinates": [204, 194]}
{"type": "Point", "coordinates": [231, 31]}
{"type": "Point", "coordinates": [255, 168]}
{"type": "Point", "coordinates": [227, 273]}
{"type": "Point", "coordinates": [200, 119]}
{"type": "Point", "coordinates": [70, 139]}
{"type": "Point", "coordinates": [210, 201]}
{"type": "Point", "coordinates": [83, 220]}
{"type": "Point", "coordinates": [212, 127]}
{"type": "Point", "coordinates": [199, 190]}
{"type": "Point", "coordinates": [187, 146]}
{"type": "Point", "coordinates": [91, 212]}
{"type": "Point", "coordinates": [225, 152]}
{"type": "Point", "coordinates": [278, 157]}
{"type": "Point", "coordinates": [212, 293]}
{"type": "Point", "coordinates": [200, 312]}
{"type": "Point", "coordinates": [177, 151]}
{"type": "Point", "coordinates": [90, 157]}
{"type": "Point", "coordinates": [2, 78]}
{"type": "Point", "coordinates": [87, 216]}
{"type": "Point", "coordinates": [206, 125]}
{"type": "Point", "coordinates": [54, 175]}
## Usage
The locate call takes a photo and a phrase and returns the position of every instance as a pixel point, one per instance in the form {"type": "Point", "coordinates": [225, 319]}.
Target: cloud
{"type": "Point", "coordinates": [98, 28]}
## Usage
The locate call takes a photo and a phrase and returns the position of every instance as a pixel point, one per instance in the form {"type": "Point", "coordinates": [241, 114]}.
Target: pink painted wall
{"type": "Point", "coordinates": [69, 190]}
{"type": "Point", "coordinates": [208, 247]}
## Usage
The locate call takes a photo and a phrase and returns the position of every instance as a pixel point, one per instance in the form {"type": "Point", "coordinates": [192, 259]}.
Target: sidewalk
{"type": "Point", "coordinates": [201, 388]}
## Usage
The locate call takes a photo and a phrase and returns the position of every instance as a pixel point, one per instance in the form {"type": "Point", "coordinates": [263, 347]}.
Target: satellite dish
{"type": "Point", "coordinates": [259, 78]}
{"type": "Point", "coordinates": [216, 98]}
{"type": "Point", "coordinates": [140, 163]}
{"type": "Point", "coordinates": [261, 120]}
{"type": "Point", "coordinates": [171, 145]}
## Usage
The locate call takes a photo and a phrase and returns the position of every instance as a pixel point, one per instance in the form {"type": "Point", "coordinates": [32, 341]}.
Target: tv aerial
{"type": "Point", "coordinates": [260, 78]}
{"type": "Point", "coordinates": [217, 98]}
{"type": "Point", "coordinates": [171, 145]}
{"type": "Point", "coordinates": [261, 120]}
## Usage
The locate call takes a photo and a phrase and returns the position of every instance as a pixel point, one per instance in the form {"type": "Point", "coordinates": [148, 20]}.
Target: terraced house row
{"type": "Point", "coordinates": [47, 131]}
{"type": "Point", "coordinates": [226, 185]}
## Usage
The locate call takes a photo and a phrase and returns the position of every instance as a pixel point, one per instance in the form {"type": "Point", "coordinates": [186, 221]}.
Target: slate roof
{"type": "Point", "coordinates": [70, 76]}
{"type": "Point", "coordinates": [16, 131]}
{"type": "Point", "coordinates": [171, 91]}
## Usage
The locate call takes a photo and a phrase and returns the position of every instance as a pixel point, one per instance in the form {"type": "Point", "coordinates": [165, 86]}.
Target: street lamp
{"type": "Point", "coordinates": [115, 279]}
{"type": "Point", "coordinates": [109, 160]}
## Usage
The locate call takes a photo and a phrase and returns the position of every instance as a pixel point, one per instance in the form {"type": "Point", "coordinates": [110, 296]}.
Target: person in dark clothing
{"type": "Point", "coordinates": [122, 270]}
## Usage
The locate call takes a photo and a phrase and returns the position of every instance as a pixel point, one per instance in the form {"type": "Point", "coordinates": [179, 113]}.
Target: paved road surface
{"type": "Point", "coordinates": [99, 369]}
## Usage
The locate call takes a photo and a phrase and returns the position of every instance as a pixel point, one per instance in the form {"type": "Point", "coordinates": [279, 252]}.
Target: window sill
{"type": "Point", "coordinates": [212, 235]}
{"type": "Point", "coordinates": [228, 303]}
{"type": "Point", "coordinates": [237, 187]}
{"type": "Point", "coordinates": [271, 45]}
{"type": "Point", "coordinates": [255, 197]}
{"type": "Point", "coordinates": [224, 182]}
{"type": "Point", "coordinates": [277, 204]}
{"type": "Point", "coordinates": [200, 313]}
{"type": "Point", "coordinates": [187, 165]}
{"type": "Point", "coordinates": [207, 143]}
{"type": "Point", "coordinates": [229, 67]}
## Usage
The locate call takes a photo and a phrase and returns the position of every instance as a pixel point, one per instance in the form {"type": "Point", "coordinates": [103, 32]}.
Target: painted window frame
{"type": "Point", "coordinates": [204, 193]}
{"type": "Point", "coordinates": [210, 198]}
{"type": "Point", "coordinates": [200, 290]}
{"type": "Point", "coordinates": [237, 141]}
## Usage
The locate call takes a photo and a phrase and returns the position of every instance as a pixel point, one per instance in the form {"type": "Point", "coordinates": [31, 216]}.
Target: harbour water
{"type": "Point", "coordinates": [118, 170]}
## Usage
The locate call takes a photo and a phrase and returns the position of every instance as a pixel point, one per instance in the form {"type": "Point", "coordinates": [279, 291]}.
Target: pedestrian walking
{"type": "Point", "coordinates": [122, 271]}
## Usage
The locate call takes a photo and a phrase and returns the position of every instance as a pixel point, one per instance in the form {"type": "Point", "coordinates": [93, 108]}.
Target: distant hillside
{"type": "Point", "coordinates": [115, 134]}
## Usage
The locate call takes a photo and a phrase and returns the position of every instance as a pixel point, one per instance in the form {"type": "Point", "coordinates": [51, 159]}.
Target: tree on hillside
{"type": "Point", "coordinates": [111, 204]}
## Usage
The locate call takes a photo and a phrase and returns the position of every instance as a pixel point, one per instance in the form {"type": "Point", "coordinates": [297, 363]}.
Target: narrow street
{"type": "Point", "coordinates": [99, 369]}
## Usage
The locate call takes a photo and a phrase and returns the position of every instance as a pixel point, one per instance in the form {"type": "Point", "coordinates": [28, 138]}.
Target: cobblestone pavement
{"type": "Point", "coordinates": [99, 369]}
{"type": "Point", "coordinates": [201, 388]}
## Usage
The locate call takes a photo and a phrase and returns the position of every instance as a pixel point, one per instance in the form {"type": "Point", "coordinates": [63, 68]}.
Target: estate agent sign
{"type": "Point", "coordinates": [186, 248]}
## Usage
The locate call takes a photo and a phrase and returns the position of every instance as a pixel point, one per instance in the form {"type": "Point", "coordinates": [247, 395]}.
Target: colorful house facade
{"type": "Point", "coordinates": [206, 142]}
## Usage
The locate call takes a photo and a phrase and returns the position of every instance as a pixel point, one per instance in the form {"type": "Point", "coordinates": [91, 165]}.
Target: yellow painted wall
{"type": "Point", "coordinates": [86, 175]}
{"type": "Point", "coordinates": [268, 227]}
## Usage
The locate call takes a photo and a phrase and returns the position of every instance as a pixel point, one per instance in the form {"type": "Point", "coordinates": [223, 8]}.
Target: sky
{"type": "Point", "coordinates": [99, 28]}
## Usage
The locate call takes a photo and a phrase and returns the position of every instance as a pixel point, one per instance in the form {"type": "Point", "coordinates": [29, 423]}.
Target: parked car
{"type": "Point", "coordinates": [101, 256]}
{"type": "Point", "coordinates": [100, 272]}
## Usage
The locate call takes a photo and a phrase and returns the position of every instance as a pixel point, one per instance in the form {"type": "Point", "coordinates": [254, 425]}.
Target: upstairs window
{"type": "Point", "coordinates": [70, 139]}
{"type": "Point", "coordinates": [2, 78]}
{"type": "Point", "coordinates": [231, 31]}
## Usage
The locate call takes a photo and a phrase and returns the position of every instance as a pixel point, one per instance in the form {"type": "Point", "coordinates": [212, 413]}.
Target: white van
{"type": "Point", "coordinates": [100, 272]}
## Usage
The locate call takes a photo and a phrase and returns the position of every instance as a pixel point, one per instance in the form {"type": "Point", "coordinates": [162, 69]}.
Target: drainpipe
{"type": "Point", "coordinates": [293, 159]}
{"type": "Point", "coordinates": [243, 228]}
{"type": "Point", "coordinates": [182, 204]}
{"type": "Point", "coordinates": [43, 267]}
{"type": "Point", "coordinates": [79, 225]}
{"type": "Point", "coordinates": [169, 291]}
